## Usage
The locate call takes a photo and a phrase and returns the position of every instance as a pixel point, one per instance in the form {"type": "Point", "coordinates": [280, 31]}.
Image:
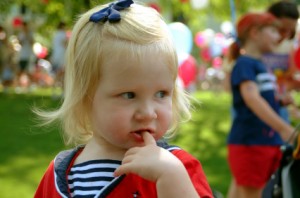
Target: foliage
{"type": "Point", "coordinates": [67, 10]}
{"type": "Point", "coordinates": [216, 11]}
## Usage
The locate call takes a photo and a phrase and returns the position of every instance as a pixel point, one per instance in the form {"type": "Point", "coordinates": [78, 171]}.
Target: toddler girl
{"type": "Point", "coordinates": [121, 97]}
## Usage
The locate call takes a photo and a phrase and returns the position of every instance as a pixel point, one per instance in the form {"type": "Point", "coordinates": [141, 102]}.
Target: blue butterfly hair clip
{"type": "Point", "coordinates": [111, 13]}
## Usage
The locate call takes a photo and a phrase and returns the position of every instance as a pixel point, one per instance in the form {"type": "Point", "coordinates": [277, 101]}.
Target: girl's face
{"type": "Point", "coordinates": [268, 39]}
{"type": "Point", "coordinates": [132, 96]}
{"type": "Point", "coordinates": [288, 28]}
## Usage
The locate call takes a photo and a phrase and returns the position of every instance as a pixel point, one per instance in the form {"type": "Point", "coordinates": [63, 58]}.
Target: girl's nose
{"type": "Point", "coordinates": [278, 36]}
{"type": "Point", "coordinates": [146, 112]}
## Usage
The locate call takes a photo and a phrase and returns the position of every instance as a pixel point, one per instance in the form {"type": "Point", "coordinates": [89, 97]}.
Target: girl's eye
{"type": "Point", "coordinates": [128, 95]}
{"type": "Point", "coordinates": [161, 94]}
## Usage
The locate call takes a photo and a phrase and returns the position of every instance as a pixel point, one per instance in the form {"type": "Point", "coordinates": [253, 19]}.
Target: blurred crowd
{"type": "Point", "coordinates": [26, 64]}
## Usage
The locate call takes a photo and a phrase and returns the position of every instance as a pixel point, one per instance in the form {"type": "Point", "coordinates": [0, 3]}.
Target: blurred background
{"type": "Point", "coordinates": [202, 31]}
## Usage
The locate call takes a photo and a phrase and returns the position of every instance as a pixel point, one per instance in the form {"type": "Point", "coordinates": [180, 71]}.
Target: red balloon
{"type": "Point", "coordinates": [217, 62]}
{"type": "Point", "coordinates": [187, 71]}
{"type": "Point", "coordinates": [17, 21]}
{"type": "Point", "coordinates": [155, 6]}
{"type": "Point", "coordinates": [43, 53]}
{"type": "Point", "coordinates": [297, 58]}
{"type": "Point", "coordinates": [205, 54]}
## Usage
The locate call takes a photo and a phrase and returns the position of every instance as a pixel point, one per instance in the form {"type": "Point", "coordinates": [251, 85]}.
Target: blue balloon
{"type": "Point", "coordinates": [215, 49]}
{"type": "Point", "coordinates": [182, 37]}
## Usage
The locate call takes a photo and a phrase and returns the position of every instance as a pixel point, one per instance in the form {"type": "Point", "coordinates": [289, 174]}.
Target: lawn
{"type": "Point", "coordinates": [27, 149]}
{"type": "Point", "coordinates": [205, 137]}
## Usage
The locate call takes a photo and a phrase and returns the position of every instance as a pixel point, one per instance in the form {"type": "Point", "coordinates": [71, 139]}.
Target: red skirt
{"type": "Point", "coordinates": [252, 166]}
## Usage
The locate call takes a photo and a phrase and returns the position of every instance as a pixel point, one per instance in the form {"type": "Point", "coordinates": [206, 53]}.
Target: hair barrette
{"type": "Point", "coordinates": [111, 13]}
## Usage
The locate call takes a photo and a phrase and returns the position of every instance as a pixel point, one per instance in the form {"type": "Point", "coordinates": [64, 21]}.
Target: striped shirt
{"type": "Point", "coordinates": [247, 128]}
{"type": "Point", "coordinates": [88, 178]}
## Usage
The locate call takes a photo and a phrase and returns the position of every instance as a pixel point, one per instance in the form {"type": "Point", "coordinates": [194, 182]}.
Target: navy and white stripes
{"type": "Point", "coordinates": [266, 82]}
{"type": "Point", "coordinates": [88, 178]}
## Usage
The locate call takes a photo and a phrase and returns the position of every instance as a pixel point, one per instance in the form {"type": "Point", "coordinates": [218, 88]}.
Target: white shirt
{"type": "Point", "coordinates": [26, 40]}
{"type": "Point", "coordinates": [59, 48]}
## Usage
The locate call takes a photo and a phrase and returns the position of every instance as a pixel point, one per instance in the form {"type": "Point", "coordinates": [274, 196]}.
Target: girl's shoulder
{"type": "Point", "coordinates": [248, 61]}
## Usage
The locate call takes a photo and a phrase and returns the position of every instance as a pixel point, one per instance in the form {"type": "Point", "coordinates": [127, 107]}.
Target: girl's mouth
{"type": "Point", "coordinates": [137, 135]}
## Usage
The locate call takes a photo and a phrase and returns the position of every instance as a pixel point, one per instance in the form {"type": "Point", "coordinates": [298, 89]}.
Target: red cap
{"type": "Point", "coordinates": [257, 20]}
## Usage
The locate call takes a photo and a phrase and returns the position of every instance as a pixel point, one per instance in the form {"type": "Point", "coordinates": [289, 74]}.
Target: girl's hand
{"type": "Point", "coordinates": [150, 161]}
{"type": "Point", "coordinates": [160, 166]}
{"type": "Point", "coordinates": [286, 99]}
{"type": "Point", "coordinates": [288, 136]}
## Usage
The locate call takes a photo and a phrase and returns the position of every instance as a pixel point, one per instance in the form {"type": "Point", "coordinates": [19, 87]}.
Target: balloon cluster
{"type": "Point", "coordinates": [212, 46]}
{"type": "Point", "coordinates": [187, 64]}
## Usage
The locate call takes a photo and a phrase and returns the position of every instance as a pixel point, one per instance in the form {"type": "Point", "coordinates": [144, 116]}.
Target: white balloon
{"type": "Point", "coordinates": [182, 37]}
{"type": "Point", "coordinates": [227, 27]}
{"type": "Point", "coordinates": [198, 4]}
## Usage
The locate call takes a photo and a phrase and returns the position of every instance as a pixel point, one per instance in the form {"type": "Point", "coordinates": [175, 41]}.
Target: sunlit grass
{"type": "Point", "coordinates": [29, 149]}
{"type": "Point", "coordinates": [205, 136]}
{"type": "Point", "coordinates": [26, 149]}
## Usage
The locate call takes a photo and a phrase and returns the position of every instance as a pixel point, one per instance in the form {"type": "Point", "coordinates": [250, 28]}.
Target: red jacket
{"type": "Point", "coordinates": [54, 183]}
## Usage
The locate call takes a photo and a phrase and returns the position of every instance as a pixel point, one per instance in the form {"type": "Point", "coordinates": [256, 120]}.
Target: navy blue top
{"type": "Point", "coordinates": [247, 128]}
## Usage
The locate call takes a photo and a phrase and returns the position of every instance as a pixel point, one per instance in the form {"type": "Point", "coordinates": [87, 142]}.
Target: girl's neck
{"type": "Point", "coordinates": [250, 49]}
{"type": "Point", "coordinates": [94, 150]}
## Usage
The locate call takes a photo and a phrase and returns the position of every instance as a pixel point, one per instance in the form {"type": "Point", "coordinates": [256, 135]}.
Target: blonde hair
{"type": "Point", "coordinates": [140, 30]}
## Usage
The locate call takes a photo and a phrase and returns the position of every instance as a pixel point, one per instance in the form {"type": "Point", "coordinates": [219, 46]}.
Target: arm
{"type": "Point", "coordinates": [175, 182]}
{"type": "Point", "coordinates": [226, 82]}
{"type": "Point", "coordinates": [261, 108]}
{"type": "Point", "coordinates": [160, 166]}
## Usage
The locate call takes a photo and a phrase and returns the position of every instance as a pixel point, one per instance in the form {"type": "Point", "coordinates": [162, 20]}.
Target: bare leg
{"type": "Point", "coordinates": [236, 191]}
{"type": "Point", "coordinates": [232, 191]}
{"type": "Point", "coordinates": [249, 192]}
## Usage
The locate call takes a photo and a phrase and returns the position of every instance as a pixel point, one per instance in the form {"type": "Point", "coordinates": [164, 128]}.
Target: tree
{"type": "Point", "coordinates": [47, 13]}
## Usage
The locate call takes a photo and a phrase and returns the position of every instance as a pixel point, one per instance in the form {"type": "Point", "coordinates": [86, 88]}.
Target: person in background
{"type": "Point", "coordinates": [3, 49]}
{"type": "Point", "coordinates": [7, 66]}
{"type": "Point", "coordinates": [257, 130]}
{"type": "Point", "coordinates": [26, 54]}
{"type": "Point", "coordinates": [281, 61]}
{"type": "Point", "coordinates": [121, 97]}
{"type": "Point", "coordinates": [59, 44]}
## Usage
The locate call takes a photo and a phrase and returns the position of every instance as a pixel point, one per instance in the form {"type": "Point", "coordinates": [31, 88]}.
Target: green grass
{"type": "Point", "coordinates": [205, 137]}
{"type": "Point", "coordinates": [26, 150]}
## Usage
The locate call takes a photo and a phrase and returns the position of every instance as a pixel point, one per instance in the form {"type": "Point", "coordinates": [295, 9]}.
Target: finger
{"type": "Point", "coordinates": [148, 138]}
{"type": "Point", "coordinates": [132, 151]}
{"type": "Point", "coordinates": [121, 170]}
{"type": "Point", "coordinates": [127, 159]}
